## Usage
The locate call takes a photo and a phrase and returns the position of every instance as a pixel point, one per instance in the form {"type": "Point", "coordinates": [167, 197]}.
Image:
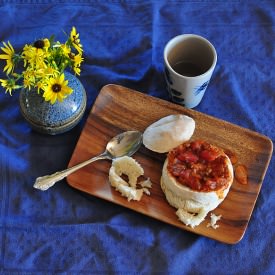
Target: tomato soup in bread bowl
{"type": "Point", "coordinates": [196, 178]}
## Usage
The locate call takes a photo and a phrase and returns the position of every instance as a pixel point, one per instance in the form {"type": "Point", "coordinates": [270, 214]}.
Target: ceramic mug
{"type": "Point", "coordinates": [189, 61]}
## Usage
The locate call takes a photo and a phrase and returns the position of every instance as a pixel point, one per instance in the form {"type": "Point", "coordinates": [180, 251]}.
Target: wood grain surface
{"type": "Point", "coordinates": [118, 109]}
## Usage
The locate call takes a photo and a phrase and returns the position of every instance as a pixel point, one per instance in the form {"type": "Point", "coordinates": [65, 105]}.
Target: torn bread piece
{"type": "Point", "coordinates": [131, 168]}
{"type": "Point", "coordinates": [168, 132]}
{"type": "Point", "coordinates": [189, 218]}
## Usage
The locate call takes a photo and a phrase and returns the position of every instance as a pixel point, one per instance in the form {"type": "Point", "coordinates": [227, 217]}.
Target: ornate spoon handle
{"type": "Point", "coordinates": [45, 182]}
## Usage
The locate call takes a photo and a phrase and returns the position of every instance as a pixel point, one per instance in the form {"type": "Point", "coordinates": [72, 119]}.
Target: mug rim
{"type": "Point", "coordinates": [179, 37]}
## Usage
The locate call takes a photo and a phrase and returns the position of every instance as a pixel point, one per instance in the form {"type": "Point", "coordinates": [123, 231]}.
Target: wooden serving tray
{"type": "Point", "coordinates": [118, 109]}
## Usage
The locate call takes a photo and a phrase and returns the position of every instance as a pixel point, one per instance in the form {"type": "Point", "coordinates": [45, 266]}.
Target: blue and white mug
{"type": "Point", "coordinates": [189, 61]}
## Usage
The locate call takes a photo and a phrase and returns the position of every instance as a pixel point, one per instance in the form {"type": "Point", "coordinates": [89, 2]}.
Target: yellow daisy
{"type": "Point", "coordinates": [66, 50]}
{"type": "Point", "coordinates": [77, 59]}
{"type": "Point", "coordinates": [8, 56]}
{"type": "Point", "coordinates": [28, 52]}
{"type": "Point", "coordinates": [41, 85]}
{"type": "Point", "coordinates": [49, 71]}
{"type": "Point", "coordinates": [47, 44]}
{"type": "Point", "coordinates": [9, 85]}
{"type": "Point", "coordinates": [77, 70]}
{"type": "Point", "coordinates": [36, 55]}
{"type": "Point", "coordinates": [27, 83]}
{"type": "Point", "coordinates": [42, 44]}
{"type": "Point", "coordinates": [75, 40]}
{"type": "Point", "coordinates": [57, 89]}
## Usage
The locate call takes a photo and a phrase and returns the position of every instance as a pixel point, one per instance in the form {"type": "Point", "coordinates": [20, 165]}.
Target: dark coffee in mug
{"type": "Point", "coordinates": [188, 69]}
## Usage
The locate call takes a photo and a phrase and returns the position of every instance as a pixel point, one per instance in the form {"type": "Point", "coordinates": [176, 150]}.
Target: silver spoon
{"type": "Point", "coordinates": [124, 144]}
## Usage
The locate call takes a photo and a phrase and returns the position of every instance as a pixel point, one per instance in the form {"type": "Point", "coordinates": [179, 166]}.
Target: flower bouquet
{"type": "Point", "coordinates": [42, 66]}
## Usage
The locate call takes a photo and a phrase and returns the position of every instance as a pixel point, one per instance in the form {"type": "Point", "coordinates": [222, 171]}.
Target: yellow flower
{"type": "Point", "coordinates": [27, 83]}
{"type": "Point", "coordinates": [8, 49]}
{"type": "Point", "coordinates": [28, 51]}
{"type": "Point", "coordinates": [66, 50]}
{"type": "Point", "coordinates": [47, 44]}
{"type": "Point", "coordinates": [77, 70]}
{"type": "Point", "coordinates": [42, 44]}
{"type": "Point", "coordinates": [49, 71]}
{"type": "Point", "coordinates": [44, 63]}
{"type": "Point", "coordinates": [57, 89]}
{"type": "Point", "coordinates": [75, 40]}
{"type": "Point", "coordinates": [36, 55]}
{"type": "Point", "coordinates": [77, 59]}
{"type": "Point", "coordinates": [41, 85]}
{"type": "Point", "coordinates": [9, 85]}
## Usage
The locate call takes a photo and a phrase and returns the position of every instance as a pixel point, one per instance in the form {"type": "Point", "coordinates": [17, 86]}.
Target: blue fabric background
{"type": "Point", "coordinates": [63, 231]}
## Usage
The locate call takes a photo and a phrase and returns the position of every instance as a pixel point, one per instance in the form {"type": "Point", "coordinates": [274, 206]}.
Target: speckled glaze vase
{"type": "Point", "coordinates": [57, 118]}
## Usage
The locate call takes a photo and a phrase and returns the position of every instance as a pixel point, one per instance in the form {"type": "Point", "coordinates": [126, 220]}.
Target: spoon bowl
{"type": "Point", "coordinates": [124, 144]}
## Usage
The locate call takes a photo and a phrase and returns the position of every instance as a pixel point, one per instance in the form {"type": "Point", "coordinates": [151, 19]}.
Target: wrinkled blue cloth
{"type": "Point", "coordinates": [63, 231]}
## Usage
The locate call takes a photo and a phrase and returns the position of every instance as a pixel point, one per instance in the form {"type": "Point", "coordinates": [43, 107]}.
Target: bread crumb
{"type": "Point", "coordinates": [214, 218]}
{"type": "Point", "coordinates": [146, 183]}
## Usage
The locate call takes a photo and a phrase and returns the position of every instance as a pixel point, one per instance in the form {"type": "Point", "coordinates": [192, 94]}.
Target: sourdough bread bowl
{"type": "Point", "coordinates": [196, 178]}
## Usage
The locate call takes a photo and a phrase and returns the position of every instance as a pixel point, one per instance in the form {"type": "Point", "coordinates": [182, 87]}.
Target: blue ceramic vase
{"type": "Point", "coordinates": [56, 118]}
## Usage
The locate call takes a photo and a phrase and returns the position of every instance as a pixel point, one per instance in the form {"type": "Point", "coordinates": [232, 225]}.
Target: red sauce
{"type": "Point", "coordinates": [199, 166]}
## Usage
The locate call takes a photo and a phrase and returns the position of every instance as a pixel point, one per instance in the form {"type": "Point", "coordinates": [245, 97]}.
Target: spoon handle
{"type": "Point", "coordinates": [45, 182]}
